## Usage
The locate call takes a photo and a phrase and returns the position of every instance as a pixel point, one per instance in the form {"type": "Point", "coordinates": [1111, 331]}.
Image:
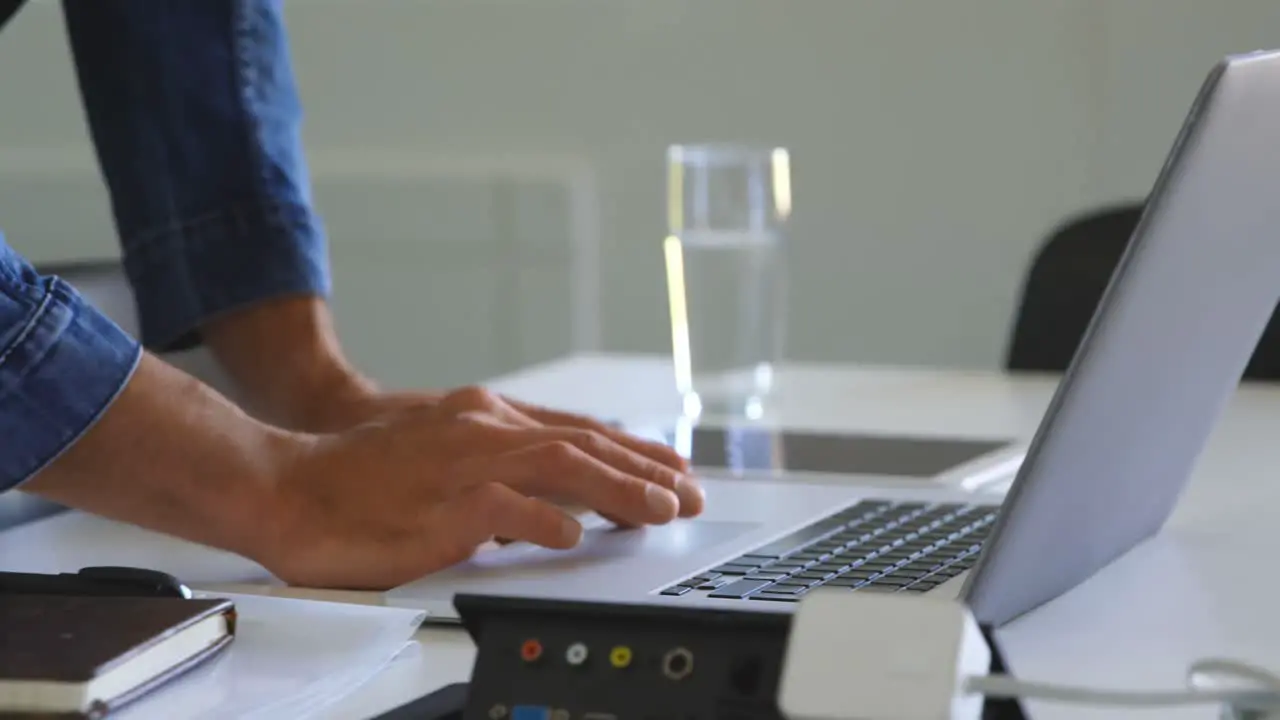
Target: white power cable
{"type": "Point", "coordinates": [1257, 694]}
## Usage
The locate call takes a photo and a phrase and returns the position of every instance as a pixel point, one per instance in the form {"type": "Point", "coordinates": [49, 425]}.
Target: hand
{"type": "Point", "coordinates": [345, 399]}
{"type": "Point", "coordinates": [286, 359]}
{"type": "Point", "coordinates": [356, 408]}
{"type": "Point", "coordinates": [367, 404]}
{"type": "Point", "coordinates": [393, 500]}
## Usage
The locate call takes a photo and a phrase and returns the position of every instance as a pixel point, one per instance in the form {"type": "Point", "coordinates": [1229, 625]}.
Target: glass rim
{"type": "Point", "coordinates": [723, 151]}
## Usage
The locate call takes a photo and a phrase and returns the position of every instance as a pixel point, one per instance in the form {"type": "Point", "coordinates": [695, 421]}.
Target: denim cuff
{"type": "Point", "coordinates": [62, 370]}
{"type": "Point", "coordinates": [211, 265]}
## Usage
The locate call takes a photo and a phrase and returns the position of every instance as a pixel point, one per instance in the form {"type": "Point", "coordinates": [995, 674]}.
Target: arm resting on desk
{"type": "Point", "coordinates": [172, 455]}
{"type": "Point", "coordinates": [87, 419]}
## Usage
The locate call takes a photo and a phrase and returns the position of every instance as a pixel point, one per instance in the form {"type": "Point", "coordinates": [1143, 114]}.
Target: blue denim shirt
{"type": "Point", "coordinates": [194, 114]}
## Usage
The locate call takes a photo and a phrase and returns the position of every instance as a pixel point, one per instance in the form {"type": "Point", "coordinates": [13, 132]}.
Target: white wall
{"type": "Point", "coordinates": [934, 144]}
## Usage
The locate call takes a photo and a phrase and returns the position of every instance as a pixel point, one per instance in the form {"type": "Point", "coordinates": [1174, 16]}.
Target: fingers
{"type": "Point", "coordinates": [523, 414]}
{"type": "Point", "coordinates": [618, 454]}
{"type": "Point", "coordinates": [562, 471]}
{"type": "Point", "coordinates": [493, 510]}
{"type": "Point", "coordinates": [653, 450]}
{"type": "Point", "coordinates": [577, 510]}
{"type": "Point", "coordinates": [579, 457]}
{"type": "Point", "coordinates": [650, 461]}
{"type": "Point", "coordinates": [688, 494]}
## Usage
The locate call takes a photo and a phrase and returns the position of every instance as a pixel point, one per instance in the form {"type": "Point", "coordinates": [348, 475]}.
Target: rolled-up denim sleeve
{"type": "Point", "coordinates": [62, 363]}
{"type": "Point", "coordinates": [194, 112]}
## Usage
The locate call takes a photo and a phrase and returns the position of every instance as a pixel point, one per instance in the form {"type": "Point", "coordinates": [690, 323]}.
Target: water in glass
{"type": "Point", "coordinates": [725, 252]}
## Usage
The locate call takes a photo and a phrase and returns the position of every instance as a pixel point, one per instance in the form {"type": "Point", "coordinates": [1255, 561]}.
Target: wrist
{"type": "Point", "coordinates": [322, 395]}
{"type": "Point", "coordinates": [172, 455]}
{"type": "Point", "coordinates": [286, 360]}
{"type": "Point", "coordinates": [251, 515]}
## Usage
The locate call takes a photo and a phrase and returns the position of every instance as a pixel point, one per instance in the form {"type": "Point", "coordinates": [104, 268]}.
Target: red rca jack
{"type": "Point", "coordinates": [531, 650]}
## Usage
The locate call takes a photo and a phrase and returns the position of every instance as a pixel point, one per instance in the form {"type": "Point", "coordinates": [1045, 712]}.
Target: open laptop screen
{"type": "Point", "coordinates": [1163, 355]}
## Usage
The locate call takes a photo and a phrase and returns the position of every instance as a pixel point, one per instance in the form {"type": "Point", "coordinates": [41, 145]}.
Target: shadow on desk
{"type": "Point", "coordinates": [17, 508]}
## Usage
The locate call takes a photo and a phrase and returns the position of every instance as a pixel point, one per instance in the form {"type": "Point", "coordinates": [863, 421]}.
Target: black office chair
{"type": "Point", "coordinates": [1065, 284]}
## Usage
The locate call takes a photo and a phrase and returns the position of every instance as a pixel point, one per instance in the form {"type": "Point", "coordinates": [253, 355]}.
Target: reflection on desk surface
{"type": "Point", "coordinates": [769, 449]}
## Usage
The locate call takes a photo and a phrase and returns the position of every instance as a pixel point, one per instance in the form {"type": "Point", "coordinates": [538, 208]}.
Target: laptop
{"type": "Point", "coordinates": [1163, 355]}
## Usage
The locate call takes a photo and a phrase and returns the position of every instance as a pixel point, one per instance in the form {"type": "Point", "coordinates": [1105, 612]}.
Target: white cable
{"type": "Point", "coordinates": [1224, 668]}
{"type": "Point", "coordinates": [1262, 691]}
{"type": "Point", "coordinates": [1000, 687]}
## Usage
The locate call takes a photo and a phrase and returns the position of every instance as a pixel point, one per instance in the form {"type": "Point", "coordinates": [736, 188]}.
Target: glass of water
{"type": "Point", "coordinates": [727, 211]}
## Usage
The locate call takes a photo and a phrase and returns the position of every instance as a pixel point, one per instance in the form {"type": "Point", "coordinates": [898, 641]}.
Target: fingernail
{"type": "Point", "coordinates": [571, 531]}
{"type": "Point", "coordinates": [687, 486]}
{"type": "Point", "coordinates": [661, 501]}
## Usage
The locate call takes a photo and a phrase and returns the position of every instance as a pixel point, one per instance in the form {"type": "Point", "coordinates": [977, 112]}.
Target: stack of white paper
{"type": "Point", "coordinates": [290, 659]}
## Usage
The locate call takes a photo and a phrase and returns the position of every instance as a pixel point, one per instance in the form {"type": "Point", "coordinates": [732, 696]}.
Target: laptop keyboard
{"type": "Point", "coordinates": [873, 546]}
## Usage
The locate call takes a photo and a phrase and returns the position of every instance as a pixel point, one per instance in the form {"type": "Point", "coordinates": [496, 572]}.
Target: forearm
{"type": "Point", "coordinates": [172, 455]}
{"type": "Point", "coordinates": [88, 420]}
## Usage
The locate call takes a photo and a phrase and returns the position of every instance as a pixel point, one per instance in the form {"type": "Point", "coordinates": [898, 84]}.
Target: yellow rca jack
{"type": "Point", "coordinates": [620, 656]}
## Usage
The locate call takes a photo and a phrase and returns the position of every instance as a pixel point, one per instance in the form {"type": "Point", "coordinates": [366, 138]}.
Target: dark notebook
{"type": "Point", "coordinates": [84, 657]}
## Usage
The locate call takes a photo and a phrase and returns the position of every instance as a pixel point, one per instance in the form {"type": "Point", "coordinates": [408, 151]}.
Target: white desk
{"type": "Point", "coordinates": [1204, 587]}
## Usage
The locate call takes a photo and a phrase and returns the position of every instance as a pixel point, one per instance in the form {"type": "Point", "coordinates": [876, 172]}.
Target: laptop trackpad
{"type": "Point", "coordinates": [603, 543]}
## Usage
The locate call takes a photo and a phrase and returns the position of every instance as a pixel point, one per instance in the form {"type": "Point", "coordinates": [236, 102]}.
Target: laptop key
{"type": "Point", "coordinates": [794, 582]}
{"type": "Point", "coordinates": [734, 569]}
{"type": "Point", "coordinates": [784, 590]}
{"type": "Point", "coordinates": [797, 540]}
{"type": "Point", "coordinates": [843, 581]}
{"type": "Point", "coordinates": [676, 590]}
{"type": "Point", "coordinates": [892, 579]}
{"type": "Point", "coordinates": [867, 507]}
{"type": "Point", "coordinates": [765, 576]}
{"type": "Point", "coordinates": [872, 587]}
{"type": "Point", "coordinates": [740, 588]}
{"type": "Point", "coordinates": [811, 555]}
{"type": "Point", "coordinates": [775, 598]}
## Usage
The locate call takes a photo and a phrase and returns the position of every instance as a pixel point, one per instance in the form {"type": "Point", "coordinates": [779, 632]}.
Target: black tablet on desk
{"type": "Point", "coordinates": [766, 449]}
